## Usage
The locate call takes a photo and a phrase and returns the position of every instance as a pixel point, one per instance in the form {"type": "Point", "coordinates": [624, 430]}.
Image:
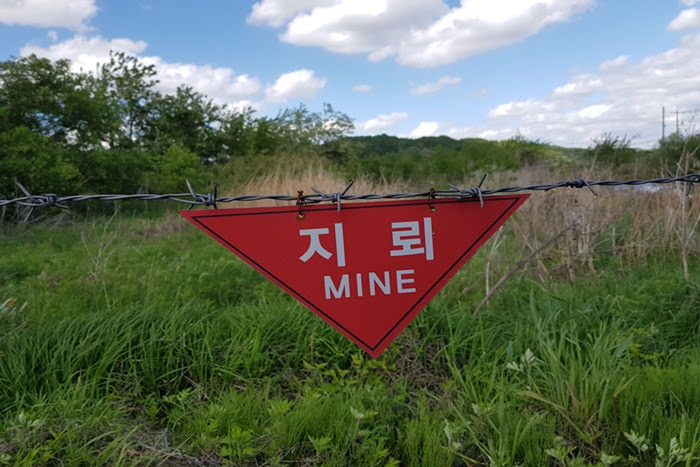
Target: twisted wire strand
{"type": "Point", "coordinates": [193, 198]}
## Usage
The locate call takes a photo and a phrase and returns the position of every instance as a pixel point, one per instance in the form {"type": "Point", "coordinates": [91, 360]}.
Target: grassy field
{"type": "Point", "coordinates": [134, 339]}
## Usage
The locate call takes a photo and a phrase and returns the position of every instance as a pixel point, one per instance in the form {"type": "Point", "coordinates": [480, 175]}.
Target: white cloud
{"type": "Point", "coordinates": [686, 19]}
{"type": "Point", "coordinates": [481, 25]}
{"type": "Point", "coordinates": [623, 98]}
{"type": "Point", "coordinates": [85, 52]}
{"type": "Point", "coordinates": [690, 2]}
{"type": "Point", "coordinates": [295, 84]}
{"type": "Point", "coordinates": [594, 111]}
{"type": "Point", "coordinates": [613, 63]}
{"type": "Point", "coordinates": [425, 129]}
{"type": "Point", "coordinates": [581, 86]}
{"type": "Point", "coordinates": [459, 133]}
{"type": "Point", "coordinates": [421, 33]}
{"type": "Point", "coordinates": [435, 85]}
{"type": "Point", "coordinates": [362, 88]}
{"type": "Point", "coordinates": [276, 12]}
{"type": "Point", "coordinates": [69, 14]}
{"type": "Point", "coordinates": [381, 122]}
{"type": "Point", "coordinates": [221, 84]}
{"type": "Point", "coordinates": [519, 109]}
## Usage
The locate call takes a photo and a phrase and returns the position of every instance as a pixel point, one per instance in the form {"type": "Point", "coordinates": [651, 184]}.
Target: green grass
{"type": "Point", "coordinates": [134, 340]}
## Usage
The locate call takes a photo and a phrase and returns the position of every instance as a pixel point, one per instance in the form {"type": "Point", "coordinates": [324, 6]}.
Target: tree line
{"type": "Point", "coordinates": [111, 130]}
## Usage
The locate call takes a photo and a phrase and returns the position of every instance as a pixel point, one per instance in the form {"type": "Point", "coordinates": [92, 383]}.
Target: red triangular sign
{"type": "Point", "coordinates": [367, 269]}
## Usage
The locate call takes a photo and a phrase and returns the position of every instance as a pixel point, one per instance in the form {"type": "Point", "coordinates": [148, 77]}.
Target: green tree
{"type": "Point", "coordinates": [238, 132]}
{"type": "Point", "coordinates": [299, 126]}
{"type": "Point", "coordinates": [612, 149]}
{"type": "Point", "coordinates": [172, 168]}
{"type": "Point", "coordinates": [677, 146]}
{"type": "Point", "coordinates": [48, 98]}
{"type": "Point", "coordinates": [33, 160]}
{"type": "Point", "coordinates": [128, 88]}
{"type": "Point", "coordinates": [190, 120]}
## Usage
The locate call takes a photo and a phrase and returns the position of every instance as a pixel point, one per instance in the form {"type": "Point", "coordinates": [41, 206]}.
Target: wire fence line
{"type": "Point", "coordinates": [193, 198]}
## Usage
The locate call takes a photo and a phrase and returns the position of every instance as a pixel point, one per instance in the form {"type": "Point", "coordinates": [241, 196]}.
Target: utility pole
{"type": "Point", "coordinates": [677, 129]}
{"type": "Point", "coordinates": [663, 123]}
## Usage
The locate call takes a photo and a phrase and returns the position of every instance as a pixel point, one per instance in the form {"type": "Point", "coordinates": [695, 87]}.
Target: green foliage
{"type": "Point", "coordinates": [112, 131]}
{"type": "Point", "coordinates": [49, 99]}
{"type": "Point", "coordinates": [612, 150]}
{"type": "Point", "coordinates": [110, 170]}
{"type": "Point", "coordinates": [31, 159]}
{"type": "Point", "coordinates": [119, 346]}
{"type": "Point", "coordinates": [171, 169]}
{"type": "Point", "coordinates": [677, 146]}
{"type": "Point", "coordinates": [439, 159]}
{"type": "Point", "coordinates": [127, 86]}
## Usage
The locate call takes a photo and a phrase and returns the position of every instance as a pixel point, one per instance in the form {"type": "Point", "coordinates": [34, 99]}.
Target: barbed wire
{"type": "Point", "coordinates": [193, 198]}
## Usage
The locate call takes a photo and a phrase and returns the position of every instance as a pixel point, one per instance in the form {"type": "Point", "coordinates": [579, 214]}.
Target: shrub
{"type": "Point", "coordinates": [171, 169]}
{"type": "Point", "coordinates": [33, 160]}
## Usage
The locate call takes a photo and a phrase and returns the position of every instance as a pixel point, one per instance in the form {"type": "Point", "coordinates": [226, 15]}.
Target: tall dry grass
{"type": "Point", "coordinates": [629, 225]}
{"type": "Point", "coordinates": [290, 176]}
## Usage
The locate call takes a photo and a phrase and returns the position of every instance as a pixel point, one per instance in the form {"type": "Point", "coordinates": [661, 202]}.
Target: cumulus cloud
{"type": "Point", "coordinates": [70, 14]}
{"type": "Point", "coordinates": [583, 85]}
{"type": "Point", "coordinates": [421, 33]}
{"type": "Point", "coordinates": [276, 13]}
{"type": "Point", "coordinates": [686, 19]}
{"type": "Point", "coordinates": [85, 53]}
{"type": "Point", "coordinates": [614, 62]}
{"type": "Point", "coordinates": [623, 98]}
{"type": "Point", "coordinates": [435, 86]}
{"type": "Point", "coordinates": [459, 133]}
{"type": "Point", "coordinates": [690, 2]}
{"type": "Point", "coordinates": [293, 85]}
{"type": "Point", "coordinates": [362, 88]}
{"type": "Point", "coordinates": [381, 122]}
{"type": "Point", "coordinates": [218, 83]}
{"type": "Point", "coordinates": [425, 129]}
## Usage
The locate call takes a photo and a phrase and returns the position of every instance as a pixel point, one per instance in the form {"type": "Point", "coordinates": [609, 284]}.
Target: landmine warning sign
{"type": "Point", "coordinates": [367, 269]}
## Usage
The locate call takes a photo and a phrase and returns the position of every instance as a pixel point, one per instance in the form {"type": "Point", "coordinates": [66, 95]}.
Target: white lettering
{"type": "Point", "coordinates": [428, 232]}
{"type": "Point", "coordinates": [340, 244]}
{"type": "Point", "coordinates": [344, 287]}
{"type": "Point", "coordinates": [314, 244]}
{"type": "Point", "coordinates": [400, 281]}
{"type": "Point", "coordinates": [379, 283]}
{"type": "Point", "coordinates": [406, 236]}
{"type": "Point", "coordinates": [401, 230]}
{"type": "Point", "coordinates": [374, 281]}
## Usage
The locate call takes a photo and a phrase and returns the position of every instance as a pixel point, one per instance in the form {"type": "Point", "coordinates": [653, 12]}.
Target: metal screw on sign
{"type": "Point", "coordinates": [300, 202]}
{"type": "Point", "coordinates": [431, 196]}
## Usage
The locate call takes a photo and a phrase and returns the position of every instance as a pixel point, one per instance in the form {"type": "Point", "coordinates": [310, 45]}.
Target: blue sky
{"type": "Point", "coordinates": [561, 71]}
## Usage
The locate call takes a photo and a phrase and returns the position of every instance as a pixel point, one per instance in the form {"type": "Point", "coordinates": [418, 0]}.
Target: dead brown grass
{"type": "Point", "coordinates": [288, 177]}
{"type": "Point", "coordinates": [630, 224]}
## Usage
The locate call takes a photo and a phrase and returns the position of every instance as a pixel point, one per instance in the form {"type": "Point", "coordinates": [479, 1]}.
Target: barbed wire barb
{"type": "Point", "coordinates": [333, 197]}
{"type": "Point", "coordinates": [472, 192]}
